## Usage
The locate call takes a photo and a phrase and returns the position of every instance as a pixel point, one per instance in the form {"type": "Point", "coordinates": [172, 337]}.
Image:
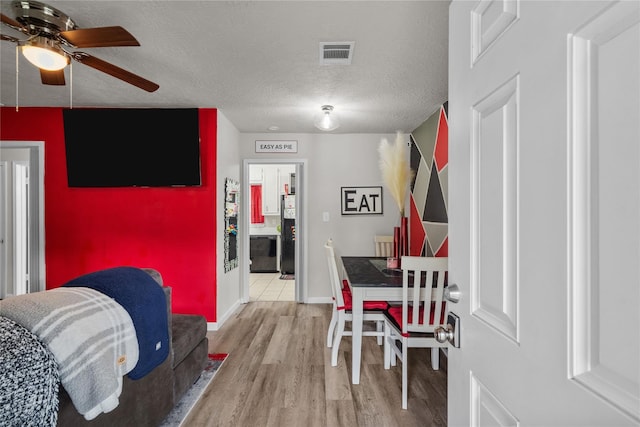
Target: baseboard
{"type": "Point", "coordinates": [214, 326]}
{"type": "Point", "coordinates": [319, 300]}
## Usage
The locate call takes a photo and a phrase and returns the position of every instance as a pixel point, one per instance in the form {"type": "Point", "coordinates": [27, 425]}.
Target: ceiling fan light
{"type": "Point", "coordinates": [45, 57]}
{"type": "Point", "coordinates": [327, 120]}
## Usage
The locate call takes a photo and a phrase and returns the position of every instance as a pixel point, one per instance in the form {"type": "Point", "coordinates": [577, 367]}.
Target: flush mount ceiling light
{"type": "Point", "coordinates": [326, 120]}
{"type": "Point", "coordinates": [45, 54]}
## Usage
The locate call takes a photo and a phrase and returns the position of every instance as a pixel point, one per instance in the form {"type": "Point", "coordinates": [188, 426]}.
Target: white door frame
{"type": "Point", "coordinates": [301, 225]}
{"type": "Point", "coordinates": [37, 273]}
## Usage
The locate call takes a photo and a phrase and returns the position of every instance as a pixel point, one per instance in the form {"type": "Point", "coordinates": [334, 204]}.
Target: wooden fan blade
{"type": "Point", "coordinates": [117, 72]}
{"type": "Point", "coordinates": [99, 37]}
{"type": "Point", "coordinates": [55, 78]}
{"type": "Point", "coordinates": [11, 23]}
{"type": "Point", "coordinates": [8, 38]}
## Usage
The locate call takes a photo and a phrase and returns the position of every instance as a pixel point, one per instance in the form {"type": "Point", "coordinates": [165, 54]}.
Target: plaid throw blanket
{"type": "Point", "coordinates": [139, 294]}
{"type": "Point", "coordinates": [91, 337]}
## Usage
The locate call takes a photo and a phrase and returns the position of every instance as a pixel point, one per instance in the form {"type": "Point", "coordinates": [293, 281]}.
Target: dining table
{"type": "Point", "coordinates": [370, 280]}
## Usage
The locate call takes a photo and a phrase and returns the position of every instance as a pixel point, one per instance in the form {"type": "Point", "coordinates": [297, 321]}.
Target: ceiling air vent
{"type": "Point", "coordinates": [336, 53]}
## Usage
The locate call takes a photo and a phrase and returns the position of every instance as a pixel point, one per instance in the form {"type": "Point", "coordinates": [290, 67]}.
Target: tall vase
{"type": "Point", "coordinates": [396, 242]}
{"type": "Point", "coordinates": [404, 236]}
{"type": "Point", "coordinates": [394, 260]}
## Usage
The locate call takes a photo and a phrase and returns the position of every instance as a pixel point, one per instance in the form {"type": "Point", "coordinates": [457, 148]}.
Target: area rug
{"type": "Point", "coordinates": [179, 413]}
{"type": "Point", "coordinates": [287, 277]}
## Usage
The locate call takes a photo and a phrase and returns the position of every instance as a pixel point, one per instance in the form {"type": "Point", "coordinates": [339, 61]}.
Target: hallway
{"type": "Point", "coordinates": [269, 287]}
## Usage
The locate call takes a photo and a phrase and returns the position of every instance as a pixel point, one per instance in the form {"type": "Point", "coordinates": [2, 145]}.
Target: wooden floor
{"type": "Point", "coordinates": [278, 373]}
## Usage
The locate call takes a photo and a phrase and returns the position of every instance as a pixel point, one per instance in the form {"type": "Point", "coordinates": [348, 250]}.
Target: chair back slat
{"type": "Point", "coordinates": [334, 277]}
{"type": "Point", "coordinates": [438, 298]}
{"type": "Point", "coordinates": [423, 283]}
{"type": "Point", "coordinates": [383, 245]}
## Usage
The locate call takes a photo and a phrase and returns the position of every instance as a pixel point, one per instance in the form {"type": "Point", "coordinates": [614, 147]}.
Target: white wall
{"type": "Point", "coordinates": [333, 161]}
{"type": "Point", "coordinates": [228, 166]}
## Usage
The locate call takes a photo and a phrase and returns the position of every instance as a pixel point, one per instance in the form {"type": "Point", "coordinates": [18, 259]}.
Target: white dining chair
{"type": "Point", "coordinates": [383, 245]}
{"type": "Point", "coordinates": [423, 283]}
{"type": "Point", "coordinates": [373, 310]}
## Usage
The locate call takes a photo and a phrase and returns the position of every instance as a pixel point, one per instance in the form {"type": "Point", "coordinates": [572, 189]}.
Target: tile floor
{"type": "Point", "coordinates": [269, 287]}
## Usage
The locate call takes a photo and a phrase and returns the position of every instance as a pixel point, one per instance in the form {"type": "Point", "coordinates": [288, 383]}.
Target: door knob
{"type": "Point", "coordinates": [452, 293]}
{"type": "Point", "coordinates": [444, 335]}
{"type": "Point", "coordinates": [449, 333]}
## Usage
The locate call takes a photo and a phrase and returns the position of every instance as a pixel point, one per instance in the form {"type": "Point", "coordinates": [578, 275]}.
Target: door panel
{"type": "Point", "coordinates": [544, 203]}
{"type": "Point", "coordinates": [605, 207]}
{"type": "Point", "coordinates": [21, 219]}
{"type": "Point", "coordinates": [495, 175]}
{"type": "Point", "coordinates": [486, 409]}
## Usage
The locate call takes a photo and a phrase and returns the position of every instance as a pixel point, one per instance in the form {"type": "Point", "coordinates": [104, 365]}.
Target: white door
{"type": "Point", "coordinates": [544, 203]}
{"type": "Point", "coordinates": [14, 221]}
{"type": "Point", "coordinates": [22, 266]}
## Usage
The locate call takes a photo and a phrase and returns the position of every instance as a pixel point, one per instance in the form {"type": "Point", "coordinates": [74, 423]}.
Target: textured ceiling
{"type": "Point", "coordinates": [257, 61]}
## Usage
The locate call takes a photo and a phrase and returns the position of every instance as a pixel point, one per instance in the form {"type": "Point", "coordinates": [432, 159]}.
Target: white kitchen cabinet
{"type": "Point", "coordinates": [255, 174]}
{"type": "Point", "coordinates": [284, 173]}
{"type": "Point", "coordinates": [270, 190]}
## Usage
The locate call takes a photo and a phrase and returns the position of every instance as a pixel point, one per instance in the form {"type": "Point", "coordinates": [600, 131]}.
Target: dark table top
{"type": "Point", "coordinates": [371, 272]}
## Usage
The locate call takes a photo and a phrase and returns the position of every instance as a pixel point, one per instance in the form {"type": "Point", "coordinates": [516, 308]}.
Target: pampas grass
{"type": "Point", "coordinates": [396, 172]}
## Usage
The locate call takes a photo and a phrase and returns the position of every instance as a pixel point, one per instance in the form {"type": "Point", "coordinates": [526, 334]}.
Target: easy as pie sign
{"type": "Point", "coordinates": [276, 146]}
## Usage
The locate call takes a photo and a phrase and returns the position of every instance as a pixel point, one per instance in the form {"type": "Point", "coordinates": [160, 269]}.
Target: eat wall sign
{"type": "Point", "coordinates": [361, 200]}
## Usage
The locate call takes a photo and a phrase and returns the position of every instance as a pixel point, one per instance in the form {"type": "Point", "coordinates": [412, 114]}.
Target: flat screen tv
{"type": "Point", "coordinates": [132, 147]}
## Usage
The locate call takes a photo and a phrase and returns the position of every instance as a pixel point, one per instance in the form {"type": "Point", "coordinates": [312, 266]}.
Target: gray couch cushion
{"type": "Point", "coordinates": [188, 371]}
{"type": "Point", "coordinates": [143, 403]}
{"type": "Point", "coordinates": [187, 331]}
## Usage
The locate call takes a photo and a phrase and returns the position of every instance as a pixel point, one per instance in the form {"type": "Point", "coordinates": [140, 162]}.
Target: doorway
{"type": "Point", "coordinates": [21, 218]}
{"type": "Point", "coordinates": [273, 267]}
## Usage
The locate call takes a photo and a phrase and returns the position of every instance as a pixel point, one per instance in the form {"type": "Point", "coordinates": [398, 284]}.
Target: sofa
{"type": "Point", "coordinates": [147, 400]}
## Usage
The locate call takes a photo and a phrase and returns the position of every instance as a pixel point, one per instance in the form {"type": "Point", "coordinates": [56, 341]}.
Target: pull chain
{"type": "Point", "coordinates": [71, 85]}
{"type": "Point", "coordinates": [17, 80]}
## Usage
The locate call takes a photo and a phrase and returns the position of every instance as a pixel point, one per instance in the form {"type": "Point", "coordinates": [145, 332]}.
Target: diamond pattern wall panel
{"type": "Point", "coordinates": [417, 233]}
{"type": "Point", "coordinates": [441, 152]}
{"type": "Point", "coordinates": [429, 190]}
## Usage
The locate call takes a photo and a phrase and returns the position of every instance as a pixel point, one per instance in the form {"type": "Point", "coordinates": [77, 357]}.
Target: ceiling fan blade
{"type": "Point", "coordinates": [12, 23]}
{"type": "Point", "coordinates": [55, 78]}
{"type": "Point", "coordinates": [8, 38]}
{"type": "Point", "coordinates": [117, 72]}
{"type": "Point", "coordinates": [99, 37]}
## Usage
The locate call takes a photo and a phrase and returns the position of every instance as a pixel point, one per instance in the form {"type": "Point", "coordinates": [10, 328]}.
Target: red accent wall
{"type": "Point", "coordinates": [88, 229]}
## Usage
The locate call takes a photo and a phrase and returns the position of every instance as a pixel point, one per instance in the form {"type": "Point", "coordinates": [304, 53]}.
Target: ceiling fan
{"type": "Point", "coordinates": [52, 38]}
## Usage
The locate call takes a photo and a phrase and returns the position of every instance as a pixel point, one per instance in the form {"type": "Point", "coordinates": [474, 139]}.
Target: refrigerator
{"type": "Point", "coordinates": [287, 234]}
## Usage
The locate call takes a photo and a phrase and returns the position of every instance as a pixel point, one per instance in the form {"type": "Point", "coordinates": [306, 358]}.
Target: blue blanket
{"type": "Point", "coordinates": [144, 300]}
